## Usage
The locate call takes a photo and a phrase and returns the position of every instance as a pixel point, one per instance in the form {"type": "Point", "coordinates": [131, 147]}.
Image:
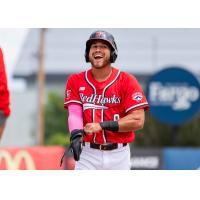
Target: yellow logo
{"type": "Point", "coordinates": [13, 163]}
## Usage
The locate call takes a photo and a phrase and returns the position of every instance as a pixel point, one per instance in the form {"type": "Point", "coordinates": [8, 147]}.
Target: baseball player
{"type": "Point", "coordinates": [105, 107]}
{"type": "Point", "coordinates": [4, 95]}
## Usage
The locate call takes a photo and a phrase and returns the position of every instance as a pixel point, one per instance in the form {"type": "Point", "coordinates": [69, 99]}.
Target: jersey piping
{"type": "Point", "coordinates": [138, 105]}
{"type": "Point", "coordinates": [73, 101]}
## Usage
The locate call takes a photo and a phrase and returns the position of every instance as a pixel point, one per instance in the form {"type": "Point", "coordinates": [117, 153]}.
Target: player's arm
{"type": "Point", "coordinates": [131, 122]}
{"type": "Point", "coordinates": [75, 119]}
{"type": "Point", "coordinates": [2, 126]}
{"type": "Point", "coordinates": [2, 123]}
{"type": "Point", "coordinates": [75, 124]}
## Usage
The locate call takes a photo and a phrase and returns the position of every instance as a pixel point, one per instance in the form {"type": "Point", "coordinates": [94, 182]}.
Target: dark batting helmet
{"type": "Point", "coordinates": [105, 36]}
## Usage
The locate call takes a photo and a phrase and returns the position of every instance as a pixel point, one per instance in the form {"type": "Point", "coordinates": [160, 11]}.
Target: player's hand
{"type": "Point", "coordinates": [92, 127]}
{"type": "Point", "coordinates": [76, 143]}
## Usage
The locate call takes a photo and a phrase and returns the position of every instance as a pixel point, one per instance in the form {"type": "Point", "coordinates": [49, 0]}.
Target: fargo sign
{"type": "Point", "coordinates": [173, 95]}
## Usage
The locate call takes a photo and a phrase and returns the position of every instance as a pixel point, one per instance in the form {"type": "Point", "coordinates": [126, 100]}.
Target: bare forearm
{"type": "Point", "coordinates": [130, 125]}
{"type": "Point", "coordinates": [132, 122]}
{"type": "Point", "coordinates": [1, 130]}
{"type": "Point", "coordinates": [2, 123]}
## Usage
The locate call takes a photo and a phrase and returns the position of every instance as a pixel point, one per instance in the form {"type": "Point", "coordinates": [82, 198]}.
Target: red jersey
{"type": "Point", "coordinates": [111, 99]}
{"type": "Point", "coordinates": [4, 93]}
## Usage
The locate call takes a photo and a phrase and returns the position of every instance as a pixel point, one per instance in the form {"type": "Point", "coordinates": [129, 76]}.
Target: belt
{"type": "Point", "coordinates": [105, 147]}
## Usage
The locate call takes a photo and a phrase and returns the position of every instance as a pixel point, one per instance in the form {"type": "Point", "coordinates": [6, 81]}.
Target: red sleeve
{"type": "Point", "coordinates": [4, 92]}
{"type": "Point", "coordinates": [71, 91]}
{"type": "Point", "coordinates": [134, 97]}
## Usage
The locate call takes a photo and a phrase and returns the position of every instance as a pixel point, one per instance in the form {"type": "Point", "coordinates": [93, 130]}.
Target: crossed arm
{"type": "Point", "coordinates": [131, 122]}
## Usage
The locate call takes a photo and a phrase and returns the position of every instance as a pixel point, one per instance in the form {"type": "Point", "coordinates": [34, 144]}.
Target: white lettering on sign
{"type": "Point", "coordinates": [148, 162]}
{"type": "Point", "coordinates": [179, 97]}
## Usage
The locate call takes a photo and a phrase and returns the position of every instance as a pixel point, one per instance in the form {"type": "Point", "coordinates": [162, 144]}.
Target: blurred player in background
{"type": "Point", "coordinates": [4, 95]}
{"type": "Point", "coordinates": [105, 107]}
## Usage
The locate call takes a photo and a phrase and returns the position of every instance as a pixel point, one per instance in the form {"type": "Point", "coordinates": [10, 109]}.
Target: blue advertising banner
{"type": "Point", "coordinates": [181, 158]}
{"type": "Point", "coordinates": [173, 95]}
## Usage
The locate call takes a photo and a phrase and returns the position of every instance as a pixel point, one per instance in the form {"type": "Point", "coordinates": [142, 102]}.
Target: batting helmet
{"type": "Point", "coordinates": [105, 36]}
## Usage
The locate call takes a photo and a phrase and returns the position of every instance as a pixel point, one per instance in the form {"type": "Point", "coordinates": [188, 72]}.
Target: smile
{"type": "Point", "coordinates": [98, 56]}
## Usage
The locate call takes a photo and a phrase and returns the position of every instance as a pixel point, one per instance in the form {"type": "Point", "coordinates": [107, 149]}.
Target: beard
{"type": "Point", "coordinates": [100, 63]}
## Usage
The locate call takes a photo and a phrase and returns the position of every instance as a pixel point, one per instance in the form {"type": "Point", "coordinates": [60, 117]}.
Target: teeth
{"type": "Point", "coordinates": [98, 56]}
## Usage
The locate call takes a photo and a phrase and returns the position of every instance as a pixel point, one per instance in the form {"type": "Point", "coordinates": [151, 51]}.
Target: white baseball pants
{"type": "Point", "coordinates": [95, 159]}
